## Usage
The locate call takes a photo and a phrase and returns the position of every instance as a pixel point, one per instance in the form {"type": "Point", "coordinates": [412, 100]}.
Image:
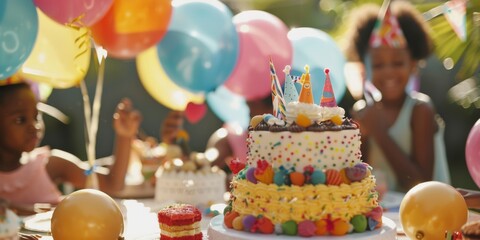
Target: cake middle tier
{"type": "Point", "coordinates": [295, 150]}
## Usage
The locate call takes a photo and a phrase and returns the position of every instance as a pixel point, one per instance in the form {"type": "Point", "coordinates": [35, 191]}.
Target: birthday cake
{"type": "Point", "coordinates": [304, 175]}
{"type": "Point", "coordinates": [193, 181]}
{"type": "Point", "coordinates": [180, 222]}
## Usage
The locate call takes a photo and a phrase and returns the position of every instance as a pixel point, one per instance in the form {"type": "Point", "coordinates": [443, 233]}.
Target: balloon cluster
{"type": "Point", "coordinates": [185, 50]}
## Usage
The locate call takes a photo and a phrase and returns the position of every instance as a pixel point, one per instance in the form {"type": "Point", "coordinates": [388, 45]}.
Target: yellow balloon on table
{"type": "Point", "coordinates": [87, 214]}
{"type": "Point", "coordinates": [60, 56]}
{"type": "Point", "coordinates": [431, 208]}
{"type": "Point", "coordinates": [157, 83]}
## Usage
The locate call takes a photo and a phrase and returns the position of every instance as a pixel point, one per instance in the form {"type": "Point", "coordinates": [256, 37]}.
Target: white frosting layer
{"type": "Point", "coordinates": [190, 187]}
{"type": "Point", "coordinates": [314, 112]}
{"type": "Point", "coordinates": [322, 150]}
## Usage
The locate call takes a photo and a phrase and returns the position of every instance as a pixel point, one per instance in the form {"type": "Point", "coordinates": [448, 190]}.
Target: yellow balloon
{"type": "Point", "coordinates": [158, 84]}
{"type": "Point", "coordinates": [87, 214]}
{"type": "Point", "coordinates": [60, 56]}
{"type": "Point", "coordinates": [431, 208]}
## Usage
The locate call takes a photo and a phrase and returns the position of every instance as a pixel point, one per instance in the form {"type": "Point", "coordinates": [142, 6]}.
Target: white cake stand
{"type": "Point", "coordinates": [217, 231]}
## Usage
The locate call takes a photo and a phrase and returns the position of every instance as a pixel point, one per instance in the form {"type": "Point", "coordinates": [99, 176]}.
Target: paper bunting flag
{"type": "Point", "coordinates": [454, 11]}
{"type": "Point", "coordinates": [306, 95]}
{"type": "Point", "coordinates": [387, 31]}
{"type": "Point", "coordinates": [290, 94]}
{"type": "Point", "coordinates": [277, 94]}
{"type": "Point", "coordinates": [328, 97]}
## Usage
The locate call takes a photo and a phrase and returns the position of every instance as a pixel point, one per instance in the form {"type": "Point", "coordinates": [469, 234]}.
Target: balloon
{"type": "Point", "coordinates": [159, 85]}
{"type": "Point", "coordinates": [63, 12]}
{"type": "Point", "coordinates": [18, 32]}
{"type": "Point", "coordinates": [130, 27]}
{"type": "Point", "coordinates": [431, 208]}
{"type": "Point", "coordinates": [229, 107]}
{"type": "Point", "coordinates": [200, 49]}
{"type": "Point", "coordinates": [317, 49]}
{"type": "Point", "coordinates": [262, 36]}
{"type": "Point", "coordinates": [61, 55]}
{"type": "Point", "coordinates": [195, 112]}
{"type": "Point", "coordinates": [472, 152]}
{"type": "Point", "coordinates": [87, 214]}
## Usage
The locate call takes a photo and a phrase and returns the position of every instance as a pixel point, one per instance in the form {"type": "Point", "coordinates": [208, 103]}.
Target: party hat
{"type": "Point", "coordinates": [306, 95]}
{"type": "Point", "coordinates": [290, 94]}
{"type": "Point", "coordinates": [328, 98]}
{"type": "Point", "coordinates": [387, 31]}
{"type": "Point", "coordinates": [277, 94]}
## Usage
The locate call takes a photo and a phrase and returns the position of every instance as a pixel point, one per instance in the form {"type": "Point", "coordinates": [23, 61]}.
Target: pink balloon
{"type": "Point", "coordinates": [65, 11]}
{"type": "Point", "coordinates": [195, 112]}
{"type": "Point", "coordinates": [472, 152]}
{"type": "Point", "coordinates": [261, 36]}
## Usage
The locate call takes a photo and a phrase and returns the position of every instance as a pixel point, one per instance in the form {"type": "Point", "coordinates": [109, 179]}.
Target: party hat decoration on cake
{"type": "Point", "coordinates": [328, 98]}
{"type": "Point", "coordinates": [306, 95]}
{"type": "Point", "coordinates": [290, 94]}
{"type": "Point", "coordinates": [277, 94]}
{"type": "Point", "coordinates": [387, 31]}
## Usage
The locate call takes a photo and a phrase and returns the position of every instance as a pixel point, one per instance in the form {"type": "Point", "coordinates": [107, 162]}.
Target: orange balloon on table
{"type": "Point", "coordinates": [87, 214]}
{"type": "Point", "coordinates": [431, 208]}
{"type": "Point", "coordinates": [130, 27]}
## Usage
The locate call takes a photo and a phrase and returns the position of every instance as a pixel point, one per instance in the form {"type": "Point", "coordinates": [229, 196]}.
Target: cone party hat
{"type": "Point", "coordinates": [387, 31]}
{"type": "Point", "coordinates": [328, 97]}
{"type": "Point", "coordinates": [306, 95]}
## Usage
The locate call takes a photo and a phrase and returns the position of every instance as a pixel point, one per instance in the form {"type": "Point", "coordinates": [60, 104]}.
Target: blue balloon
{"type": "Point", "coordinates": [229, 107]}
{"type": "Point", "coordinates": [18, 32]}
{"type": "Point", "coordinates": [318, 50]}
{"type": "Point", "coordinates": [200, 49]}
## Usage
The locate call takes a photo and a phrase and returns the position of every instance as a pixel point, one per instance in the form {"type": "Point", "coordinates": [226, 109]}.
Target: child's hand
{"type": "Point", "coordinates": [170, 127]}
{"type": "Point", "coordinates": [126, 119]}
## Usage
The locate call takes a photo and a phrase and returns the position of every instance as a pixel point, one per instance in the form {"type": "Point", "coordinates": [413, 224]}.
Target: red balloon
{"type": "Point", "coordinates": [472, 152]}
{"type": "Point", "coordinates": [261, 36]}
{"type": "Point", "coordinates": [130, 27]}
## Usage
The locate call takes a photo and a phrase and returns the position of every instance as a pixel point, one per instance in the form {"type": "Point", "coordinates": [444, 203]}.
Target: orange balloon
{"type": "Point", "coordinates": [87, 214]}
{"type": "Point", "coordinates": [431, 208]}
{"type": "Point", "coordinates": [130, 27]}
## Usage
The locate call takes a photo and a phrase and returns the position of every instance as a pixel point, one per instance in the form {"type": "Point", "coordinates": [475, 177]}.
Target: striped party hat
{"type": "Point", "coordinates": [387, 31]}
{"type": "Point", "coordinates": [328, 98]}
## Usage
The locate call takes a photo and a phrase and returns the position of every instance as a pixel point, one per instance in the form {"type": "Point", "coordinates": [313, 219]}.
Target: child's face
{"type": "Point", "coordinates": [19, 126]}
{"type": "Point", "coordinates": [391, 69]}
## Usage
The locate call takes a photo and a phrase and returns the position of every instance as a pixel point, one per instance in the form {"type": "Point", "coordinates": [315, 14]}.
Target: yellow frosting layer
{"type": "Point", "coordinates": [309, 202]}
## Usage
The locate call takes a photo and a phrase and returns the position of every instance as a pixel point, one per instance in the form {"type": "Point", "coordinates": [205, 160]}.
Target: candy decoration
{"type": "Point", "coordinates": [278, 229]}
{"type": "Point", "coordinates": [340, 227]}
{"type": "Point", "coordinates": [256, 120]}
{"type": "Point", "coordinates": [251, 175]}
{"type": "Point", "coordinates": [318, 177]}
{"type": "Point", "coordinates": [372, 223]}
{"type": "Point", "coordinates": [328, 98]}
{"type": "Point", "coordinates": [306, 228]}
{"type": "Point", "coordinates": [297, 178]}
{"type": "Point", "coordinates": [264, 172]}
{"type": "Point", "coordinates": [359, 223]}
{"type": "Point", "coordinates": [356, 173]}
{"type": "Point", "coordinates": [337, 120]}
{"type": "Point", "coordinates": [237, 223]}
{"type": "Point", "coordinates": [303, 121]}
{"type": "Point", "coordinates": [322, 227]}
{"type": "Point", "coordinates": [248, 222]}
{"type": "Point", "coordinates": [306, 94]}
{"type": "Point", "coordinates": [344, 177]}
{"type": "Point", "coordinates": [264, 225]}
{"type": "Point", "coordinates": [279, 177]}
{"type": "Point", "coordinates": [228, 218]}
{"type": "Point", "coordinates": [376, 214]}
{"type": "Point", "coordinates": [289, 228]}
{"type": "Point", "coordinates": [290, 94]}
{"type": "Point", "coordinates": [333, 177]}
{"type": "Point", "coordinates": [236, 165]}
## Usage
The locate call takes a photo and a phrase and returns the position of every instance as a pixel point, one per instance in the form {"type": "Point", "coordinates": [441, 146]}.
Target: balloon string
{"type": "Point", "coordinates": [82, 41]}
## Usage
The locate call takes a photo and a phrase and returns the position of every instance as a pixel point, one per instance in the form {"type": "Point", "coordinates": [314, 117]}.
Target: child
{"type": "Point", "coordinates": [400, 133]}
{"type": "Point", "coordinates": [28, 174]}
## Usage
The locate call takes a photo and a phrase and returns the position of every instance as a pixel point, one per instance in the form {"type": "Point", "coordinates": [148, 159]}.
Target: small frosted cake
{"type": "Point", "coordinates": [304, 174]}
{"type": "Point", "coordinates": [180, 222]}
{"type": "Point", "coordinates": [193, 181]}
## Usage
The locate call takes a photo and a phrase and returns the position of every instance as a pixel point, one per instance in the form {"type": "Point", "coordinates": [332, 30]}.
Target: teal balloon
{"type": "Point", "coordinates": [229, 107]}
{"type": "Point", "coordinates": [318, 50]}
{"type": "Point", "coordinates": [18, 33]}
{"type": "Point", "coordinates": [200, 49]}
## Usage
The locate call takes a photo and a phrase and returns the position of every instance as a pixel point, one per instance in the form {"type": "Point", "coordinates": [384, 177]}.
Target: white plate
{"type": "Point", "coordinates": [38, 222]}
